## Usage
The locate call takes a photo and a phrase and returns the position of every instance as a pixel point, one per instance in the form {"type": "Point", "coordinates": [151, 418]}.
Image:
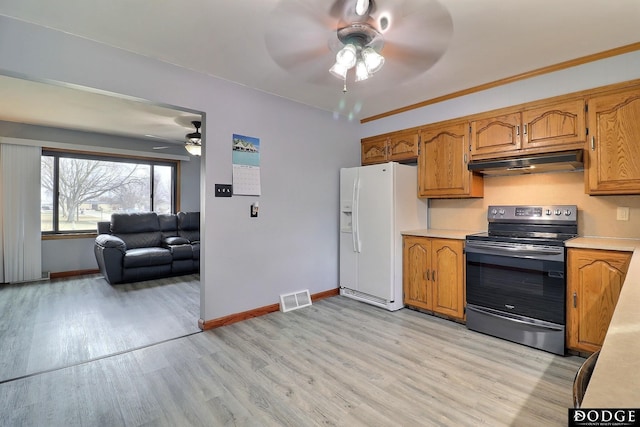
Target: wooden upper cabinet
{"type": "Point", "coordinates": [403, 146]}
{"type": "Point", "coordinates": [374, 150]}
{"type": "Point", "coordinates": [555, 125]}
{"type": "Point", "coordinates": [498, 135]}
{"type": "Point", "coordinates": [442, 163]}
{"type": "Point", "coordinates": [399, 146]}
{"type": "Point", "coordinates": [595, 279]}
{"type": "Point", "coordinates": [613, 148]}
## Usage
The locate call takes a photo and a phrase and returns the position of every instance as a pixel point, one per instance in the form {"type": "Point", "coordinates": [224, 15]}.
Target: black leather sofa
{"type": "Point", "coordinates": [143, 246]}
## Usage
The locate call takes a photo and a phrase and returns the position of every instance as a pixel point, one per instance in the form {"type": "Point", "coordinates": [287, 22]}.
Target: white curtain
{"type": "Point", "coordinates": [20, 236]}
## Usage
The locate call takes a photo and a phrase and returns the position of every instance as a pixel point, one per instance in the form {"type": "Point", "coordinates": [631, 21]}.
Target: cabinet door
{"type": "Point", "coordinates": [613, 161]}
{"type": "Point", "coordinates": [374, 150]}
{"type": "Point", "coordinates": [442, 164]}
{"type": "Point", "coordinates": [559, 126]}
{"type": "Point", "coordinates": [403, 146]}
{"type": "Point", "coordinates": [416, 269]}
{"type": "Point", "coordinates": [447, 276]}
{"type": "Point", "coordinates": [594, 284]}
{"type": "Point", "coordinates": [496, 136]}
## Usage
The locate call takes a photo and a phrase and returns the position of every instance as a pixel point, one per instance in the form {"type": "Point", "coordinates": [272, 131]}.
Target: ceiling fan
{"type": "Point", "coordinates": [192, 141]}
{"type": "Point", "coordinates": [395, 39]}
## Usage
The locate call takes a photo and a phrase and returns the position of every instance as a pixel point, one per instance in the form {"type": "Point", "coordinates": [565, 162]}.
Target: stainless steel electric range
{"type": "Point", "coordinates": [516, 287]}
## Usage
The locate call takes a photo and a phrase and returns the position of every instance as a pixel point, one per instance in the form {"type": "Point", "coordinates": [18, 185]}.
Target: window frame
{"type": "Point", "coordinates": [57, 154]}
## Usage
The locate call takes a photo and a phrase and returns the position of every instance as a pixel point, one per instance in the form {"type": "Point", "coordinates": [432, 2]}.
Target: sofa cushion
{"type": "Point", "coordinates": [142, 222]}
{"type": "Point", "coordinates": [141, 240]}
{"type": "Point", "coordinates": [144, 257]}
{"type": "Point", "coordinates": [189, 225]}
{"type": "Point", "coordinates": [168, 224]}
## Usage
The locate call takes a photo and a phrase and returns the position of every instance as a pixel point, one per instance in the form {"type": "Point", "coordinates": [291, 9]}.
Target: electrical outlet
{"type": "Point", "coordinates": [223, 190]}
{"type": "Point", "coordinates": [622, 214]}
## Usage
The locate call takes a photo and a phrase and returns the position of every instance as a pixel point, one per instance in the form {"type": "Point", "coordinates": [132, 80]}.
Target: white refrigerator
{"type": "Point", "coordinates": [377, 203]}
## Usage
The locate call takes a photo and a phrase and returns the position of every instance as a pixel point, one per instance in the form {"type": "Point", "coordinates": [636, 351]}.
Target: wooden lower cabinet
{"type": "Point", "coordinates": [433, 275]}
{"type": "Point", "coordinates": [595, 279]}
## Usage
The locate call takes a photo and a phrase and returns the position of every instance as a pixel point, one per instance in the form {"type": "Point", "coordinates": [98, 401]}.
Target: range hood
{"type": "Point", "coordinates": [534, 163]}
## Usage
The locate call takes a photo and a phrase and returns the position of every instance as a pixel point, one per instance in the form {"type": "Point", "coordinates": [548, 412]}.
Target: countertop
{"type": "Point", "coordinates": [607, 243]}
{"type": "Point", "coordinates": [442, 234]}
{"type": "Point", "coordinates": [615, 382]}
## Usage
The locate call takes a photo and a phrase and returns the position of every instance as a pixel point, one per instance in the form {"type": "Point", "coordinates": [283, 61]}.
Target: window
{"type": "Point", "coordinates": [80, 189]}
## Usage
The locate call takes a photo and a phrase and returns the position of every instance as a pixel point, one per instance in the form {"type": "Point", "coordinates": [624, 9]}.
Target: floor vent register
{"type": "Point", "coordinates": [294, 300]}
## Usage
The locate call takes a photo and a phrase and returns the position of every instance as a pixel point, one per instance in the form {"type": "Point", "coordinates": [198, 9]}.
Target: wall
{"type": "Point", "coordinates": [587, 76]}
{"type": "Point", "coordinates": [596, 213]}
{"type": "Point", "coordinates": [246, 263]}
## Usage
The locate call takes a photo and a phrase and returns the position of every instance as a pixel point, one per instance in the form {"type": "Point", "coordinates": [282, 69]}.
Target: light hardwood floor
{"type": "Point", "coordinates": [338, 362]}
{"type": "Point", "coordinates": [62, 322]}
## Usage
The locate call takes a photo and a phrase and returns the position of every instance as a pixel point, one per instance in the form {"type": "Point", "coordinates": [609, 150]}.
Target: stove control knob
{"type": "Point", "coordinates": [494, 211]}
{"type": "Point", "coordinates": [548, 212]}
{"type": "Point", "coordinates": [501, 212]}
{"type": "Point", "coordinates": [568, 212]}
{"type": "Point", "coordinates": [558, 212]}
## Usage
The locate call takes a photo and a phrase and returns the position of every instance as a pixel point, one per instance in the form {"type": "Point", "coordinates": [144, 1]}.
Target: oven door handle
{"type": "Point", "coordinates": [513, 318]}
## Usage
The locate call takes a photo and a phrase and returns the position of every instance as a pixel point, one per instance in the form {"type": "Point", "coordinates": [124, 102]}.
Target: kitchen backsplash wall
{"type": "Point", "coordinates": [596, 214]}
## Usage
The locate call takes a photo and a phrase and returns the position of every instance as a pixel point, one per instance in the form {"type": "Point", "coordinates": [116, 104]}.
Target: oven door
{"type": "Point", "coordinates": [519, 280]}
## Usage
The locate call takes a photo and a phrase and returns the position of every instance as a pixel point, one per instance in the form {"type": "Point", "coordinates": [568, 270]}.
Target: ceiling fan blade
{"type": "Point", "coordinates": [416, 39]}
{"type": "Point", "coordinates": [299, 37]}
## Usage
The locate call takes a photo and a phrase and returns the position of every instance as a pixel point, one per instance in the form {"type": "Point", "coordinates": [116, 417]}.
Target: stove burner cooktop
{"type": "Point", "coordinates": [534, 225]}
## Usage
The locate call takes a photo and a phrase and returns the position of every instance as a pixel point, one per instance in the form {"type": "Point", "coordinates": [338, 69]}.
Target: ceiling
{"type": "Point", "coordinates": [245, 41]}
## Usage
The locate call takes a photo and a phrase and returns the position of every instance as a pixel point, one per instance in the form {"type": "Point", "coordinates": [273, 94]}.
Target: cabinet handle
{"type": "Point", "coordinates": [525, 129]}
{"type": "Point", "coordinates": [426, 275]}
{"type": "Point", "coordinates": [433, 275]}
{"type": "Point", "coordinates": [593, 143]}
{"type": "Point", "coordinates": [575, 300]}
{"type": "Point", "coordinates": [465, 158]}
{"type": "Point", "coordinates": [518, 130]}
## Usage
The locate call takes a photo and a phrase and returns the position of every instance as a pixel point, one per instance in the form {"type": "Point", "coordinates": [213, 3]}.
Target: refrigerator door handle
{"type": "Point", "coordinates": [356, 213]}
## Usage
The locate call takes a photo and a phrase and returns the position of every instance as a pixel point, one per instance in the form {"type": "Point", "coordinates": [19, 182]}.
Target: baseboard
{"type": "Point", "coordinates": [62, 274]}
{"type": "Point", "coordinates": [256, 312]}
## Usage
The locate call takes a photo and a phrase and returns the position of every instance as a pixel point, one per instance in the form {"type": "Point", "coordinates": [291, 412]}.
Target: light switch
{"type": "Point", "coordinates": [223, 190]}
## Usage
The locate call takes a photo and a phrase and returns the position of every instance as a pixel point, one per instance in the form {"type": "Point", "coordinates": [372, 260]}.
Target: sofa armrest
{"type": "Point", "coordinates": [109, 241]}
{"type": "Point", "coordinates": [109, 251]}
{"type": "Point", "coordinates": [174, 240]}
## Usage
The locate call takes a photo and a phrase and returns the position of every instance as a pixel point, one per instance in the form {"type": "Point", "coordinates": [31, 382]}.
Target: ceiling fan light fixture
{"type": "Point", "coordinates": [193, 149]}
{"type": "Point", "coordinates": [193, 142]}
{"type": "Point", "coordinates": [362, 7]}
{"type": "Point", "coordinates": [372, 60]}
{"type": "Point", "coordinates": [361, 71]}
{"type": "Point", "coordinates": [347, 56]}
{"type": "Point", "coordinates": [339, 70]}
